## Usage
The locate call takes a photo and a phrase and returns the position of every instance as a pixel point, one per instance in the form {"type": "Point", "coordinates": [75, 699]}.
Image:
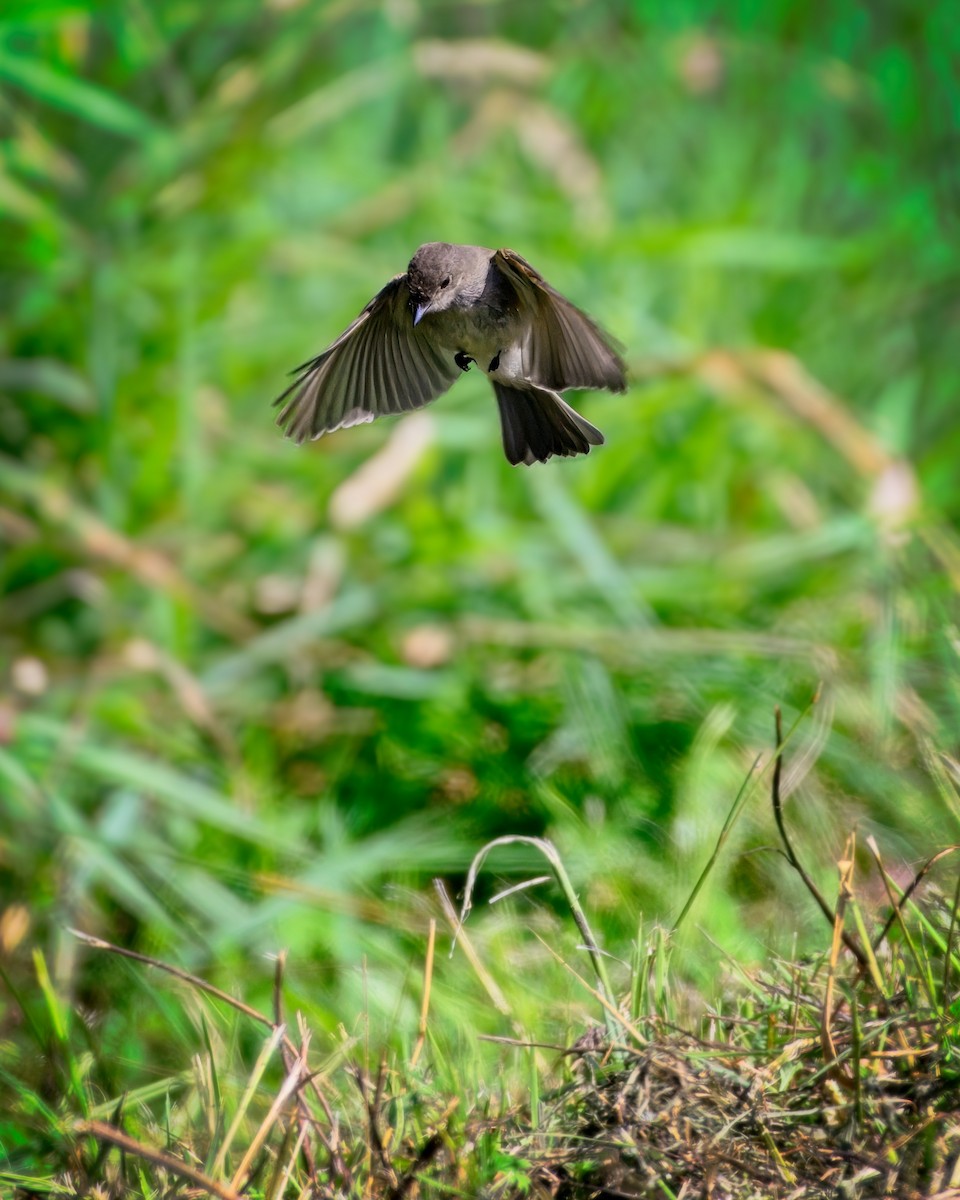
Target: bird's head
{"type": "Point", "coordinates": [435, 278]}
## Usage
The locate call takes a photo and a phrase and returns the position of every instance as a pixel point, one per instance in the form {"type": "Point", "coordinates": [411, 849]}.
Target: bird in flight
{"type": "Point", "coordinates": [457, 305]}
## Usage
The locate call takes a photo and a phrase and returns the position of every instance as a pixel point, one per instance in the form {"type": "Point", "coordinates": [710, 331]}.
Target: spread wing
{"type": "Point", "coordinates": [380, 365]}
{"type": "Point", "coordinates": [563, 348]}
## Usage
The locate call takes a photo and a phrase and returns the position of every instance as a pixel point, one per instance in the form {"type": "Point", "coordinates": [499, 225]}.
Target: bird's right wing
{"type": "Point", "coordinates": [381, 364]}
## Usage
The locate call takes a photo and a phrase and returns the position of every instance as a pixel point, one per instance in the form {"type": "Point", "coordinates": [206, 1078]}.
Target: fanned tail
{"type": "Point", "coordinates": [538, 423]}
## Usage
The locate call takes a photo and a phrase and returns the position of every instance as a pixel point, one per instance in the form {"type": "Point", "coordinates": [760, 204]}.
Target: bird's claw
{"type": "Point", "coordinates": [463, 360]}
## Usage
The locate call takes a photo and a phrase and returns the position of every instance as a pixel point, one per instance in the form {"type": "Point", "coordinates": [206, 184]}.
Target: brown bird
{"type": "Point", "coordinates": [456, 305]}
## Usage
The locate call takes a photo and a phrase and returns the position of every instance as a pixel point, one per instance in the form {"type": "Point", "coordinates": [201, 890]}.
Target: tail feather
{"type": "Point", "coordinates": [538, 423]}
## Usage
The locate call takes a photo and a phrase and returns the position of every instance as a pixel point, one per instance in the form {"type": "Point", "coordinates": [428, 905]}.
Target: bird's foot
{"type": "Point", "coordinates": [463, 360]}
{"type": "Point", "coordinates": [494, 363]}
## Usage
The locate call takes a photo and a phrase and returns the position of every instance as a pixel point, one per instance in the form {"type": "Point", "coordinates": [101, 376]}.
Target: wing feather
{"type": "Point", "coordinates": [380, 364]}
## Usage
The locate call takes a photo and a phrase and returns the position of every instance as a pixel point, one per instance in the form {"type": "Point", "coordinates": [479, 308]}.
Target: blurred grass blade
{"type": "Point", "coordinates": [73, 95]}
{"type": "Point", "coordinates": [178, 791]}
{"type": "Point", "coordinates": [288, 639]}
{"type": "Point", "coordinates": [60, 1023]}
{"type": "Point", "coordinates": [573, 529]}
{"type": "Point", "coordinates": [49, 378]}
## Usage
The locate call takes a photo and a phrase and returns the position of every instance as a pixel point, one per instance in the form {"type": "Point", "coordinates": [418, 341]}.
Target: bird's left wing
{"type": "Point", "coordinates": [381, 364]}
{"type": "Point", "coordinates": [563, 348]}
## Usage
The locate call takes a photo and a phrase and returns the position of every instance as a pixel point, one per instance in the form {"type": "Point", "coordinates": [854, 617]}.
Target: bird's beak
{"type": "Point", "coordinates": [420, 312]}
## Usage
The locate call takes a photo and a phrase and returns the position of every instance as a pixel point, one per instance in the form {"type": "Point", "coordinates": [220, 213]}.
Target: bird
{"type": "Point", "coordinates": [454, 306]}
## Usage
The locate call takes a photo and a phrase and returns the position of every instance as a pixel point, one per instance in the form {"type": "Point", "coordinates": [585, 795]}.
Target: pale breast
{"type": "Point", "coordinates": [490, 338]}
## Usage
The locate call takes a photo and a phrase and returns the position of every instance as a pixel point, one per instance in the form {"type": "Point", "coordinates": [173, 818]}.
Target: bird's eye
{"type": "Point", "coordinates": [445, 282]}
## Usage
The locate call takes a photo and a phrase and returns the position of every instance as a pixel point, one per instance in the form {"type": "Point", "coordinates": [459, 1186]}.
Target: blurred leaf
{"type": "Point", "coordinates": [766, 250]}
{"type": "Point", "coordinates": [26, 12]}
{"type": "Point", "coordinates": [403, 683]}
{"type": "Point", "coordinates": [16, 200]}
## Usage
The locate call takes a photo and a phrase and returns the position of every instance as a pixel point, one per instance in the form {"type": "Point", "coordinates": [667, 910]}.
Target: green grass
{"type": "Point", "coordinates": [242, 710]}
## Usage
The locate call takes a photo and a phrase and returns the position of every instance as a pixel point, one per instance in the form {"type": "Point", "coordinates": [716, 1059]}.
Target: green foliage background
{"type": "Point", "coordinates": [240, 714]}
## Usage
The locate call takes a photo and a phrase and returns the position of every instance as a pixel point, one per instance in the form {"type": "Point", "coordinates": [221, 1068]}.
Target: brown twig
{"type": "Point", "coordinates": [399, 1185]}
{"type": "Point", "coordinates": [427, 1152]}
{"type": "Point", "coordinates": [306, 1118]}
{"type": "Point", "coordinates": [909, 890]}
{"type": "Point", "coordinates": [490, 985]}
{"type": "Point", "coordinates": [849, 940]}
{"type": "Point", "coordinates": [897, 907]}
{"type": "Point", "coordinates": [844, 894]}
{"type": "Point", "coordinates": [295, 1080]}
{"type": "Point", "coordinates": [371, 1107]}
{"type": "Point", "coordinates": [953, 929]}
{"type": "Point", "coordinates": [178, 973]}
{"type": "Point", "coordinates": [425, 1001]}
{"type": "Point", "coordinates": [160, 1158]}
